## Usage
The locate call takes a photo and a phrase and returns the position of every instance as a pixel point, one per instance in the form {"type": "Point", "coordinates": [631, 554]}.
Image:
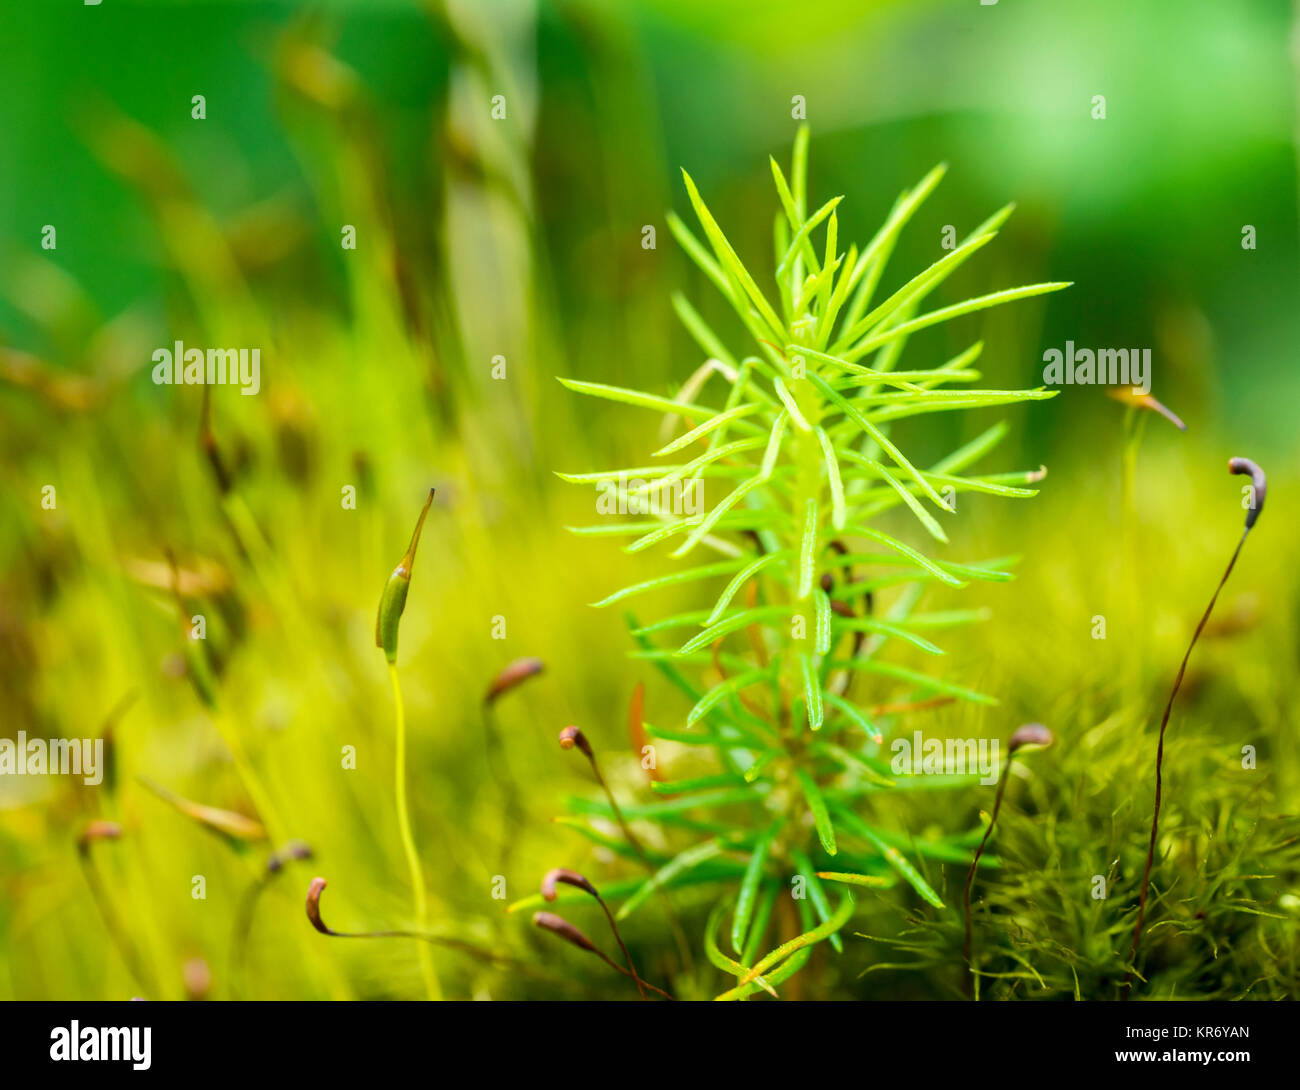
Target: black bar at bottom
{"type": "Point", "coordinates": [337, 1041]}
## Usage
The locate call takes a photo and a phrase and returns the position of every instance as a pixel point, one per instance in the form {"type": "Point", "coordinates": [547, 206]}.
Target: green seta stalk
{"type": "Point", "coordinates": [392, 604]}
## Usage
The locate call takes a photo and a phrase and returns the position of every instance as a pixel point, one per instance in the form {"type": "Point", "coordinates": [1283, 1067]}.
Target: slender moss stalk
{"type": "Point", "coordinates": [1034, 734]}
{"type": "Point", "coordinates": [294, 850]}
{"type": "Point", "coordinates": [205, 687]}
{"type": "Point", "coordinates": [479, 953]}
{"type": "Point", "coordinates": [1135, 420]}
{"type": "Point", "coordinates": [94, 832]}
{"type": "Point", "coordinates": [392, 604]}
{"type": "Point", "coordinates": [408, 840]}
{"type": "Point", "coordinates": [572, 737]}
{"type": "Point", "coordinates": [515, 674]}
{"type": "Point", "coordinates": [573, 878]}
{"type": "Point", "coordinates": [1259, 488]}
{"type": "Point", "coordinates": [558, 925]}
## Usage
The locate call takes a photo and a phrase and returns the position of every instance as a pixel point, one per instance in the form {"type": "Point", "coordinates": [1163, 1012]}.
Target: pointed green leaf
{"type": "Point", "coordinates": [816, 893]}
{"type": "Point", "coordinates": [934, 317]}
{"type": "Point", "coordinates": [705, 571]}
{"type": "Point", "coordinates": [838, 513]}
{"type": "Point", "coordinates": [742, 577]}
{"type": "Point", "coordinates": [918, 287]}
{"type": "Point", "coordinates": [728, 259]}
{"type": "Point", "coordinates": [855, 716]}
{"type": "Point", "coordinates": [730, 624]}
{"type": "Point", "coordinates": [688, 859]}
{"type": "Point", "coordinates": [808, 550]}
{"type": "Point", "coordinates": [794, 945]}
{"type": "Point", "coordinates": [812, 692]}
{"type": "Point", "coordinates": [924, 681]}
{"type": "Point", "coordinates": [748, 896]}
{"type": "Point", "coordinates": [852, 411]}
{"type": "Point", "coordinates": [701, 430]}
{"type": "Point", "coordinates": [824, 621]}
{"type": "Point", "coordinates": [720, 692]}
{"type": "Point", "coordinates": [821, 817]}
{"type": "Point", "coordinates": [925, 562]}
{"type": "Point", "coordinates": [892, 855]}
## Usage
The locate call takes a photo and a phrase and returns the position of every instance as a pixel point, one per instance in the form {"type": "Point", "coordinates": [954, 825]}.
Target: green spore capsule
{"type": "Point", "coordinates": [393, 600]}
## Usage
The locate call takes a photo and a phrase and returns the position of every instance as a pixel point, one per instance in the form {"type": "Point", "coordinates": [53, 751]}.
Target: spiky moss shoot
{"type": "Point", "coordinates": [799, 438]}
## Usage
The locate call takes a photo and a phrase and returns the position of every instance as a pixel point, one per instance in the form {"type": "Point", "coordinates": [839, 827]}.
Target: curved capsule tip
{"type": "Point", "coordinates": [568, 877]}
{"type": "Point", "coordinates": [573, 736]}
{"type": "Point", "coordinates": [313, 905]}
{"type": "Point", "coordinates": [515, 673]}
{"type": "Point", "coordinates": [1259, 486]}
{"type": "Point", "coordinates": [558, 925]}
{"type": "Point", "coordinates": [1031, 734]}
{"type": "Point", "coordinates": [98, 830]}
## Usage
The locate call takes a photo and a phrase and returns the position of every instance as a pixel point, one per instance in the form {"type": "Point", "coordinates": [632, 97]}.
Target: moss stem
{"type": "Point", "coordinates": [1160, 760]}
{"type": "Point", "coordinates": [430, 974]}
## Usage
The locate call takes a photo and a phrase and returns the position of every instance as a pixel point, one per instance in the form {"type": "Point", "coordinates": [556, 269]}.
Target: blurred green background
{"type": "Point", "coordinates": [521, 238]}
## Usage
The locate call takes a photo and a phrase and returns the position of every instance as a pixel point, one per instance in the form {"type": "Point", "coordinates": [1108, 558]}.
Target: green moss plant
{"type": "Point", "coordinates": [799, 454]}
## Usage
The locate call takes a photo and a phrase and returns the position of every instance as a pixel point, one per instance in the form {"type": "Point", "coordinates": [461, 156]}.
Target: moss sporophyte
{"type": "Point", "coordinates": [1253, 501]}
{"type": "Point", "coordinates": [807, 597]}
{"type": "Point", "coordinates": [392, 603]}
